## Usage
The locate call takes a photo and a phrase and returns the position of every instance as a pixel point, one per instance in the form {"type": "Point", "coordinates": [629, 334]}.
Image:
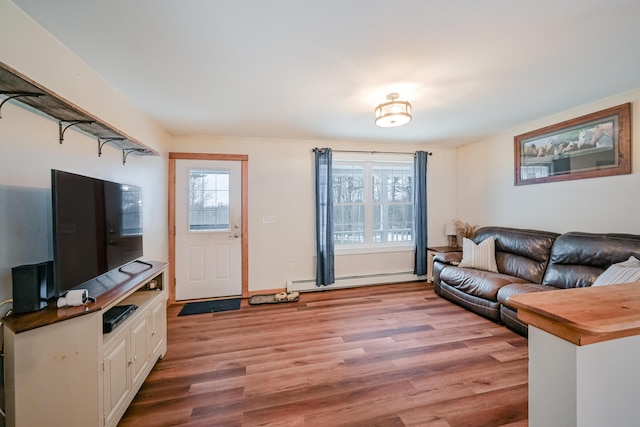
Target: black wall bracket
{"type": "Point", "coordinates": [127, 151]}
{"type": "Point", "coordinates": [11, 95]}
{"type": "Point", "coordinates": [71, 123]}
{"type": "Point", "coordinates": [102, 141]}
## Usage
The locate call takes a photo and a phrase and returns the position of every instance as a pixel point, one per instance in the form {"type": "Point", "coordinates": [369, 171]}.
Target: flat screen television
{"type": "Point", "coordinates": [97, 227]}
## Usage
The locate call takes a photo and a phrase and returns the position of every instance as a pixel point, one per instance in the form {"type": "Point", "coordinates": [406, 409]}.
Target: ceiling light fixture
{"type": "Point", "coordinates": [393, 113]}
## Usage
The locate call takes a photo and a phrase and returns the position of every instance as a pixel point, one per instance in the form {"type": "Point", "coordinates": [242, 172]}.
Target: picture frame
{"type": "Point", "coordinates": [594, 145]}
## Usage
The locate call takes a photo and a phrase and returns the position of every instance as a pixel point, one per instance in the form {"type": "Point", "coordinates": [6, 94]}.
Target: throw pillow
{"type": "Point", "coordinates": [481, 256]}
{"type": "Point", "coordinates": [623, 272]}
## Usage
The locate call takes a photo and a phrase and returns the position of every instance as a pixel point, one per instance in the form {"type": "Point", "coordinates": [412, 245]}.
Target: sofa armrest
{"type": "Point", "coordinates": [440, 261]}
{"type": "Point", "coordinates": [449, 258]}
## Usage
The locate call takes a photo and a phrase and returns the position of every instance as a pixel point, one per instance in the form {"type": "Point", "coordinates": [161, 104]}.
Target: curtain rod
{"type": "Point", "coordinates": [429, 153]}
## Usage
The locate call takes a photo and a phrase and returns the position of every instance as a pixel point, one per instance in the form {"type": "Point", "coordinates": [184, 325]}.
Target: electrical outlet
{"type": "Point", "coordinates": [292, 266]}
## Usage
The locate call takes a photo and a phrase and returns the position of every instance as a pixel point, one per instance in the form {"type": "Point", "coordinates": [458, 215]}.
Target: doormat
{"type": "Point", "coordinates": [271, 299]}
{"type": "Point", "coordinates": [214, 306]}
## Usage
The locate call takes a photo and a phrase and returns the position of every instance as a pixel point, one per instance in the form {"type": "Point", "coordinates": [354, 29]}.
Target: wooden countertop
{"type": "Point", "coordinates": [106, 289]}
{"type": "Point", "coordinates": [583, 315]}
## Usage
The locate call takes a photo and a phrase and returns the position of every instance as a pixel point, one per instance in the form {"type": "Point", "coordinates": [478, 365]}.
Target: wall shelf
{"type": "Point", "coordinates": [18, 87]}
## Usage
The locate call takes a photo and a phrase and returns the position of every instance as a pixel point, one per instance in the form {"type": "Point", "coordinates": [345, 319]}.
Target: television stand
{"type": "Point", "coordinates": [65, 349]}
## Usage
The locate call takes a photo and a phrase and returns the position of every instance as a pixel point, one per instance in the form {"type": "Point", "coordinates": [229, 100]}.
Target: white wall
{"type": "Point", "coordinates": [29, 147]}
{"type": "Point", "coordinates": [281, 185]}
{"type": "Point", "coordinates": [486, 194]}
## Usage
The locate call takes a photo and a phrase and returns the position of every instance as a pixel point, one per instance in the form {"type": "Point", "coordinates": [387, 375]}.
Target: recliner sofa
{"type": "Point", "coordinates": [528, 261]}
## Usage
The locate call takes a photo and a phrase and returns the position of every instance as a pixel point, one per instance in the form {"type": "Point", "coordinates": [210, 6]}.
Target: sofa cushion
{"type": "Point", "coordinates": [520, 288]}
{"type": "Point", "coordinates": [479, 283]}
{"type": "Point", "coordinates": [623, 272]}
{"type": "Point", "coordinates": [481, 256]}
{"type": "Point", "coordinates": [520, 252]}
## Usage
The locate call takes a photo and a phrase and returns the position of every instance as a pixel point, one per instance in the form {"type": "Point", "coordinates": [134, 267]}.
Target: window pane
{"type": "Point", "coordinates": [208, 200]}
{"type": "Point", "coordinates": [348, 224]}
{"type": "Point", "coordinates": [393, 200]}
{"type": "Point", "coordinates": [348, 199]}
{"type": "Point", "coordinates": [348, 184]}
{"type": "Point", "coordinates": [393, 223]}
{"type": "Point", "coordinates": [392, 183]}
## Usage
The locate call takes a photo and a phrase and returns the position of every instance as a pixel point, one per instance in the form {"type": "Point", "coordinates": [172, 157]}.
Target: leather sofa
{"type": "Point", "coordinates": [528, 261]}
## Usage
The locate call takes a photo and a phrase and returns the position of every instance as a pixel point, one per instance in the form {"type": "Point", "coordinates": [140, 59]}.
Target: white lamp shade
{"type": "Point", "coordinates": [450, 230]}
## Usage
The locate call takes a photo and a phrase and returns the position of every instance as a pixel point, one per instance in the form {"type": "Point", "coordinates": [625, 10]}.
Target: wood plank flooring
{"type": "Point", "coordinates": [392, 355]}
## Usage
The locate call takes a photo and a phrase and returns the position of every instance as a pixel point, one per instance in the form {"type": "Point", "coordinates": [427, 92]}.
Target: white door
{"type": "Point", "coordinates": [208, 228]}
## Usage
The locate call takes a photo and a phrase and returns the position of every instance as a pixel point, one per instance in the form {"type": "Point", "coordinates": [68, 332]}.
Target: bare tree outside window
{"type": "Point", "coordinates": [348, 204]}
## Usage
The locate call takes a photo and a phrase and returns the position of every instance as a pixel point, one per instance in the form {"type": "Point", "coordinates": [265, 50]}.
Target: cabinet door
{"type": "Point", "coordinates": [140, 353]}
{"type": "Point", "coordinates": [117, 382]}
{"type": "Point", "coordinates": [158, 329]}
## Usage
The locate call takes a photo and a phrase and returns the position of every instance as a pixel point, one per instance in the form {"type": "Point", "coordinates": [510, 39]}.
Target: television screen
{"type": "Point", "coordinates": [97, 227]}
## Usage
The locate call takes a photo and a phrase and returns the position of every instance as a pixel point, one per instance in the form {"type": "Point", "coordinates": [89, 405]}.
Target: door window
{"type": "Point", "coordinates": [208, 200]}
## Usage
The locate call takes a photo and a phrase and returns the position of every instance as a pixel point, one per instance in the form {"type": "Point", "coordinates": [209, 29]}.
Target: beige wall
{"type": "Point", "coordinates": [29, 147]}
{"type": "Point", "coordinates": [281, 185]}
{"type": "Point", "coordinates": [486, 194]}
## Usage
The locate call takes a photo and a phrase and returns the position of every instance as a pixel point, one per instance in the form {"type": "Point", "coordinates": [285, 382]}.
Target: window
{"type": "Point", "coordinates": [208, 200]}
{"type": "Point", "coordinates": [372, 203]}
{"type": "Point", "coordinates": [348, 204]}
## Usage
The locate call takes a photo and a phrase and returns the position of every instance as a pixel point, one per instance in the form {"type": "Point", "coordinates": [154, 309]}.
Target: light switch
{"type": "Point", "coordinates": [269, 219]}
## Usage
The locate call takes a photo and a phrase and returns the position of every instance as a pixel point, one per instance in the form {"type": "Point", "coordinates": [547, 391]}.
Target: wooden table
{"type": "Point", "coordinates": [584, 355]}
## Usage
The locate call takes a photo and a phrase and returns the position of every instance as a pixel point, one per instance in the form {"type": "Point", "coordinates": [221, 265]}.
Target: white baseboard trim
{"type": "Point", "coordinates": [353, 281]}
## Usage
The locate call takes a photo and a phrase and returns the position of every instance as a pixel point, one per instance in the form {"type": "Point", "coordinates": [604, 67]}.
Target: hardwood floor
{"type": "Point", "coordinates": [392, 355]}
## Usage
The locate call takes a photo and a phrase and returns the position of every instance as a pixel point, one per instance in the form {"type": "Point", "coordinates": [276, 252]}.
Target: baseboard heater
{"type": "Point", "coordinates": [351, 281]}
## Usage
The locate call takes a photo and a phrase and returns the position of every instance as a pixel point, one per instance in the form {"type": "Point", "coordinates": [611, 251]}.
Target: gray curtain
{"type": "Point", "coordinates": [325, 274]}
{"type": "Point", "coordinates": [420, 211]}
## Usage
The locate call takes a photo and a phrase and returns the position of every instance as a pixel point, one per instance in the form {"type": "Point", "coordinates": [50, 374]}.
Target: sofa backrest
{"type": "Point", "coordinates": [520, 252]}
{"type": "Point", "coordinates": [577, 259]}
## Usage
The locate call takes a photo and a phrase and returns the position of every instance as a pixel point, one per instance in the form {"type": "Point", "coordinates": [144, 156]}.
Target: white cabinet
{"type": "Point", "coordinates": [60, 369]}
{"type": "Point", "coordinates": [130, 352]}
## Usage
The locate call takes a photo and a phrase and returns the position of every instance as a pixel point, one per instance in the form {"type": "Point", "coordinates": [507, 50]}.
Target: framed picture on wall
{"type": "Point", "coordinates": [598, 144]}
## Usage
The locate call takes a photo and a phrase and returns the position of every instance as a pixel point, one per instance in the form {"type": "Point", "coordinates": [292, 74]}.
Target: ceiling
{"type": "Point", "coordinates": [316, 69]}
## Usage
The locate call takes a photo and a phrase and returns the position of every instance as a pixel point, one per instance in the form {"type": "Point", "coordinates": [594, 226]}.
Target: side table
{"type": "Point", "coordinates": [431, 252]}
